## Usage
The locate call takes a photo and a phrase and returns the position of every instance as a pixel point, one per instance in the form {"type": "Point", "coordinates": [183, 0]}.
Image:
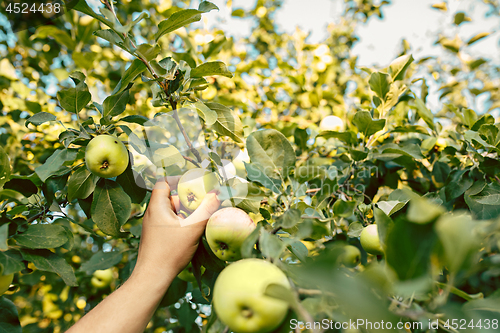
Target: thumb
{"type": "Point", "coordinates": [208, 206]}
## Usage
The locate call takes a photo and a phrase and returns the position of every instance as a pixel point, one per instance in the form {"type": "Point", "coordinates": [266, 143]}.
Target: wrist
{"type": "Point", "coordinates": [155, 276]}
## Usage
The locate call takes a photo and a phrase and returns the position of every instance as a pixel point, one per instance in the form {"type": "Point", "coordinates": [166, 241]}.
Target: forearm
{"type": "Point", "coordinates": [129, 308]}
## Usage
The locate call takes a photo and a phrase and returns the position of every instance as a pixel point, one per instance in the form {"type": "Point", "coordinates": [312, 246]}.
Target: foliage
{"type": "Point", "coordinates": [428, 178]}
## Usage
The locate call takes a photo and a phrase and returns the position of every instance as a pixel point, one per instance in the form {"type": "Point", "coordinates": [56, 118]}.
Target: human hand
{"type": "Point", "coordinates": [168, 242]}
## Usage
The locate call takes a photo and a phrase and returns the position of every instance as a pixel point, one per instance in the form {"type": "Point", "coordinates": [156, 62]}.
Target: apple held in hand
{"type": "Point", "coordinates": [226, 231]}
{"type": "Point", "coordinates": [102, 278]}
{"type": "Point", "coordinates": [194, 185]}
{"type": "Point", "coordinates": [370, 240]}
{"type": "Point", "coordinates": [239, 299]}
{"type": "Point", "coordinates": [5, 281]}
{"type": "Point", "coordinates": [106, 156]}
{"type": "Point", "coordinates": [351, 256]}
{"type": "Point", "coordinates": [331, 123]}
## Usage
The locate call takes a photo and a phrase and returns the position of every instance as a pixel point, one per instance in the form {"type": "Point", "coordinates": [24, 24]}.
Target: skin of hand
{"type": "Point", "coordinates": [167, 246]}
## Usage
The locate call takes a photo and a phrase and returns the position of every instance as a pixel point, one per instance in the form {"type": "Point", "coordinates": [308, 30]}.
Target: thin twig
{"type": "Point", "coordinates": [183, 131]}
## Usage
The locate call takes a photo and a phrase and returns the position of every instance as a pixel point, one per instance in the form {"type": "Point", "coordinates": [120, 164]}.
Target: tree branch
{"type": "Point", "coordinates": [183, 131]}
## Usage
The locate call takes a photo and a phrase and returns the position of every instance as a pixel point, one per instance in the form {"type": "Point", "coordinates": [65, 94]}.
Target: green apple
{"type": "Point", "coordinates": [194, 185]}
{"type": "Point", "coordinates": [351, 256]}
{"type": "Point", "coordinates": [102, 278]}
{"type": "Point", "coordinates": [106, 156]}
{"type": "Point", "coordinates": [331, 123]}
{"type": "Point", "coordinates": [226, 231]}
{"type": "Point", "coordinates": [5, 281]}
{"type": "Point", "coordinates": [370, 240]}
{"type": "Point", "coordinates": [239, 299]}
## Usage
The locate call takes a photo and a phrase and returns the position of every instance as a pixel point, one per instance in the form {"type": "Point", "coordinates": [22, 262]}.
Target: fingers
{"type": "Point", "coordinates": [208, 206]}
{"type": "Point", "coordinates": [160, 197]}
{"type": "Point", "coordinates": [176, 203]}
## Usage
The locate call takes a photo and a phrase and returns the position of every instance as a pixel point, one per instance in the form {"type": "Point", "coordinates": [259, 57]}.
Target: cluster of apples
{"type": "Point", "coordinates": [239, 293]}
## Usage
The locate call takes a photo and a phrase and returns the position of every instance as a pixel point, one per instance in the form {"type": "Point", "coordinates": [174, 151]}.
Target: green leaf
{"type": "Point", "coordinates": [257, 173]}
{"type": "Point", "coordinates": [9, 320]}
{"type": "Point", "coordinates": [461, 17]}
{"type": "Point", "coordinates": [111, 207]}
{"type": "Point", "coordinates": [355, 229]}
{"type": "Point", "coordinates": [136, 119]}
{"type": "Point", "coordinates": [134, 70]}
{"type": "Point", "coordinates": [24, 186]}
{"type": "Point", "coordinates": [457, 184]}
{"type": "Point", "coordinates": [247, 247]}
{"type": "Point", "coordinates": [228, 123]}
{"type": "Point", "coordinates": [348, 137]}
{"type": "Point", "coordinates": [4, 234]}
{"type": "Point", "coordinates": [133, 184]}
{"type": "Point", "coordinates": [40, 118]}
{"type": "Point", "coordinates": [423, 211]}
{"type": "Point", "coordinates": [183, 18]}
{"type": "Point", "coordinates": [460, 244]}
{"type": "Point", "coordinates": [270, 245]}
{"type": "Point", "coordinates": [115, 104]}
{"type": "Point", "coordinates": [61, 36]}
{"type": "Point", "coordinates": [380, 84]}
{"type": "Point", "coordinates": [114, 39]}
{"type": "Point", "coordinates": [490, 303]}
{"type": "Point", "coordinates": [477, 200]}
{"type": "Point", "coordinates": [281, 292]}
{"type": "Point", "coordinates": [272, 152]}
{"type": "Point", "coordinates": [42, 236]}
{"type": "Point", "coordinates": [478, 37]}
{"type": "Point", "coordinates": [424, 113]}
{"type": "Point", "coordinates": [408, 249]}
{"type": "Point", "coordinates": [101, 261]}
{"type": "Point", "coordinates": [83, 7]}
{"type": "Point", "coordinates": [148, 52]}
{"type": "Point", "coordinates": [208, 115]}
{"type": "Point", "coordinates": [11, 261]}
{"type": "Point", "coordinates": [398, 67]}
{"type": "Point", "coordinates": [344, 208]}
{"type": "Point", "coordinates": [384, 225]}
{"type": "Point", "coordinates": [290, 218]}
{"type": "Point", "coordinates": [45, 260]}
{"type": "Point", "coordinates": [74, 99]}
{"type": "Point", "coordinates": [4, 167]}
{"type": "Point", "coordinates": [298, 249]}
{"type": "Point", "coordinates": [54, 163]}
{"type": "Point", "coordinates": [366, 125]}
{"type": "Point", "coordinates": [391, 207]}
{"type": "Point", "coordinates": [210, 69]}
{"type": "Point", "coordinates": [81, 184]}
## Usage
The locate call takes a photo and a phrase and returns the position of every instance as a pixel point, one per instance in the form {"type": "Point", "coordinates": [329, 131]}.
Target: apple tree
{"type": "Point", "coordinates": [393, 215]}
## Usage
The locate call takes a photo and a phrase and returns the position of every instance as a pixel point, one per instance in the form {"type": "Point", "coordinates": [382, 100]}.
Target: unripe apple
{"type": "Point", "coordinates": [351, 256]}
{"type": "Point", "coordinates": [106, 156]}
{"type": "Point", "coordinates": [102, 278]}
{"type": "Point", "coordinates": [239, 299]}
{"type": "Point", "coordinates": [370, 240]}
{"type": "Point", "coordinates": [331, 123]}
{"type": "Point", "coordinates": [5, 281]}
{"type": "Point", "coordinates": [226, 231]}
{"type": "Point", "coordinates": [194, 185]}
